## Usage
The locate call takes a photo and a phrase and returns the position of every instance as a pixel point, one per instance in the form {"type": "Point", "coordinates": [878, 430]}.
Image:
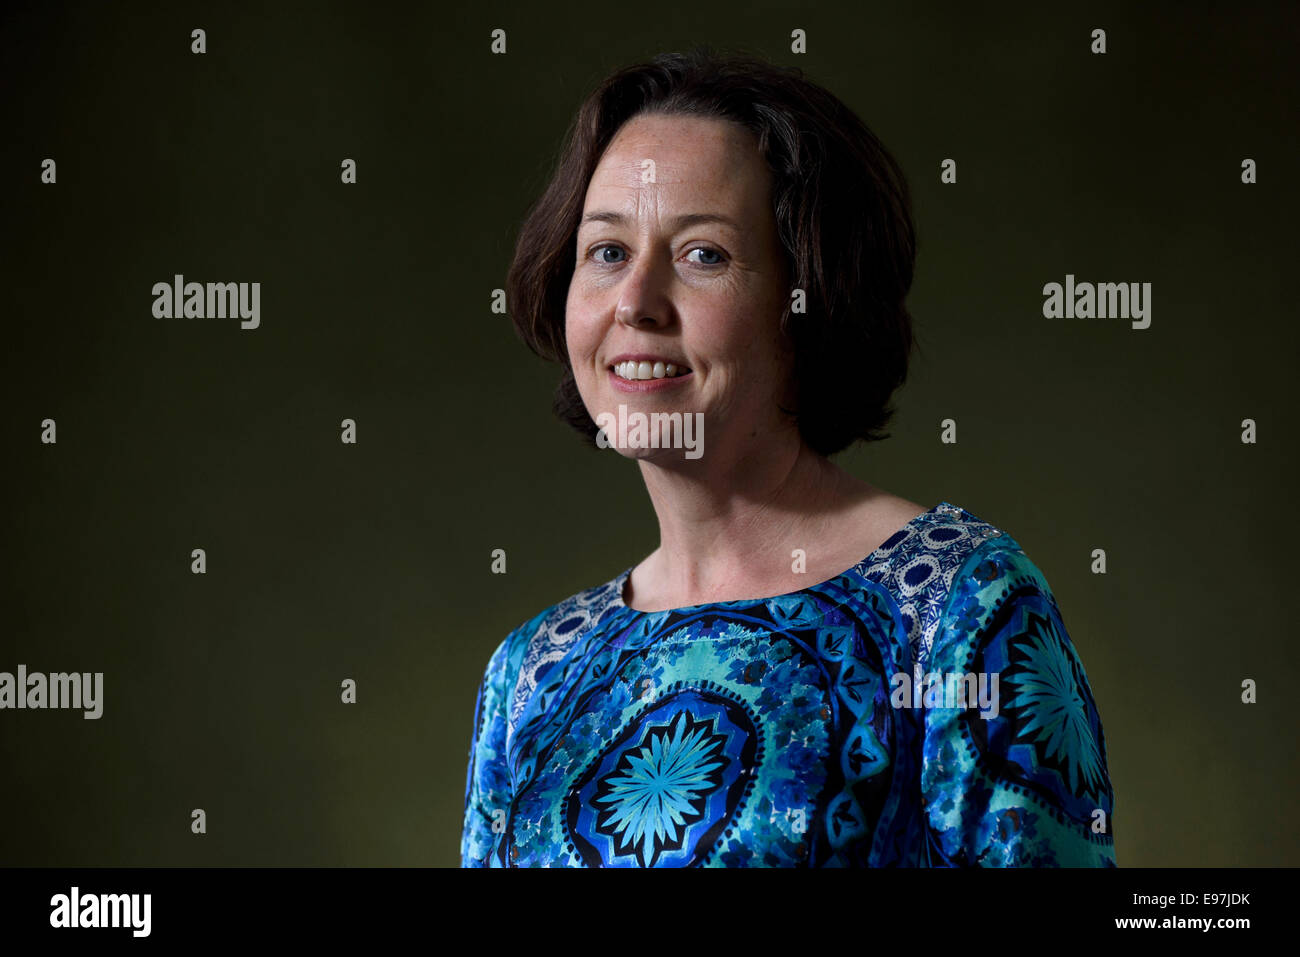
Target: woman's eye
{"type": "Point", "coordinates": [711, 257]}
{"type": "Point", "coordinates": [708, 252]}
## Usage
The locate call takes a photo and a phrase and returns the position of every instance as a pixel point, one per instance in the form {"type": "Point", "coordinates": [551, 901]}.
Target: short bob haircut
{"type": "Point", "coordinates": [843, 216]}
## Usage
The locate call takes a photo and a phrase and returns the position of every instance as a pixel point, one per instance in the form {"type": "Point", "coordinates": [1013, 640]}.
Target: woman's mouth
{"type": "Point", "coordinates": [647, 375]}
{"type": "Point", "coordinates": [634, 371]}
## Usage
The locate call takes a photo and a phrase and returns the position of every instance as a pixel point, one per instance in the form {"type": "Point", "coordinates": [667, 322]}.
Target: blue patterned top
{"type": "Point", "coordinates": [924, 708]}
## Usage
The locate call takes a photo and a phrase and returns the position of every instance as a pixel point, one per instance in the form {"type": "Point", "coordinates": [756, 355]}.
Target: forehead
{"type": "Point", "coordinates": [686, 157]}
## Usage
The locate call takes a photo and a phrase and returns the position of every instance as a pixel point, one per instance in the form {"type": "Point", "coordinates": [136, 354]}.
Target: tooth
{"type": "Point", "coordinates": [670, 369]}
{"type": "Point", "coordinates": [658, 370]}
{"type": "Point", "coordinates": [643, 370]}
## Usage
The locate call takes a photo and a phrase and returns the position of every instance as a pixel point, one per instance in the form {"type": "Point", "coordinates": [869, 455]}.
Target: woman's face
{"type": "Point", "coordinates": [678, 262]}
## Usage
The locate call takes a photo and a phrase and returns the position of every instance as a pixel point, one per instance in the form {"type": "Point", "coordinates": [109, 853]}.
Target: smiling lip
{"type": "Point", "coordinates": [646, 385]}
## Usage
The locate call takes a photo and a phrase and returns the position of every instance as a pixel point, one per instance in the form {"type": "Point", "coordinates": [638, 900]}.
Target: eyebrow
{"type": "Point", "coordinates": [677, 222]}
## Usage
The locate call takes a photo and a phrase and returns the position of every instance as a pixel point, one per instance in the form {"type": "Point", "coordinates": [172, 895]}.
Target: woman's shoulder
{"type": "Point", "coordinates": [987, 558]}
{"type": "Point", "coordinates": [970, 556]}
{"type": "Point", "coordinates": [991, 584]}
{"type": "Point", "coordinates": [931, 550]}
{"type": "Point", "coordinates": [560, 624]}
{"type": "Point", "coordinates": [930, 560]}
{"type": "Point", "coordinates": [529, 650]}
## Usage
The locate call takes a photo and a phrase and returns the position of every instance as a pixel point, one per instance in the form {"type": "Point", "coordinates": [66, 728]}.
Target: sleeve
{"type": "Point", "coordinates": [1014, 770]}
{"type": "Point", "coordinates": [487, 783]}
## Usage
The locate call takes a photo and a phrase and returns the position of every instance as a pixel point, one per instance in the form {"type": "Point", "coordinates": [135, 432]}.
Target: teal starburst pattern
{"type": "Point", "coordinates": [1053, 705]}
{"type": "Point", "coordinates": [660, 786]}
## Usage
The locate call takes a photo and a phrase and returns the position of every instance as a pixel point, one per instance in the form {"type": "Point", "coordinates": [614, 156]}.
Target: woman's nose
{"type": "Point", "coordinates": [643, 298]}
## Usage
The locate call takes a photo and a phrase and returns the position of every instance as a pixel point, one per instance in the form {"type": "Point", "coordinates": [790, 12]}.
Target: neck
{"type": "Point", "coordinates": [729, 526]}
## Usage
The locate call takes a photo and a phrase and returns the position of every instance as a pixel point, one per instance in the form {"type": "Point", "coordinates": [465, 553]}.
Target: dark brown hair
{"type": "Point", "coordinates": [843, 216]}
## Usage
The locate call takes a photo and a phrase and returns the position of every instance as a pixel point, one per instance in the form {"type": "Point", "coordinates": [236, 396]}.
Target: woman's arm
{"type": "Point", "coordinates": [1019, 779]}
{"type": "Point", "coordinates": [487, 784]}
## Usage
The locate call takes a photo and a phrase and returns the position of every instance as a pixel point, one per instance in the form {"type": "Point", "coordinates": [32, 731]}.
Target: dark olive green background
{"type": "Point", "coordinates": [372, 561]}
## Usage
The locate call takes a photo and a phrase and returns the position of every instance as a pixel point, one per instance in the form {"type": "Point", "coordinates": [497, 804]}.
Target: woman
{"type": "Point", "coordinates": [726, 243]}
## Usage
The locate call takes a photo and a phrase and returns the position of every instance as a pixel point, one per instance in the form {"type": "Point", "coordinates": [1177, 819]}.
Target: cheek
{"type": "Point", "coordinates": [583, 340]}
{"type": "Point", "coordinates": [760, 358]}
{"type": "Point", "coordinates": [579, 335]}
{"type": "Point", "coordinates": [741, 338]}
{"type": "Point", "coordinates": [574, 324]}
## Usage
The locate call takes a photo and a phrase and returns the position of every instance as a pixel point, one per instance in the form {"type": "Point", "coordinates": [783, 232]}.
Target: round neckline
{"type": "Point", "coordinates": [621, 581]}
